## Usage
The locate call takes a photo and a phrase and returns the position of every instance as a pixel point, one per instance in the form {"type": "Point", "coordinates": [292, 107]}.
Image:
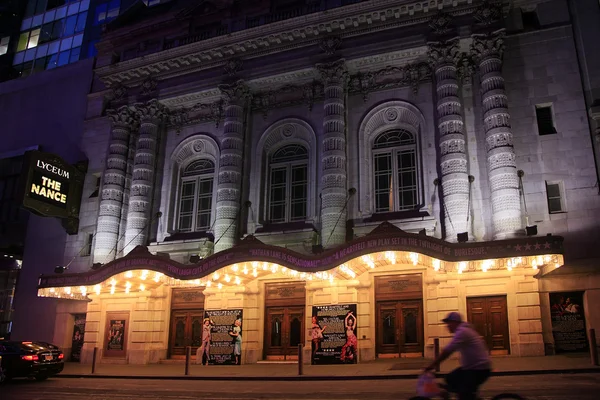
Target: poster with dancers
{"type": "Point", "coordinates": [568, 322]}
{"type": "Point", "coordinates": [333, 333]}
{"type": "Point", "coordinates": [78, 335]}
{"type": "Point", "coordinates": [223, 346]}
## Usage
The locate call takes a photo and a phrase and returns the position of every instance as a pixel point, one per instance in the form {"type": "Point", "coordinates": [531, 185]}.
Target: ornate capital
{"type": "Point", "coordinates": [148, 86]}
{"type": "Point", "coordinates": [123, 117]}
{"type": "Point", "coordinates": [330, 44]}
{"type": "Point", "coordinates": [235, 92]}
{"type": "Point", "coordinates": [486, 46]}
{"type": "Point", "coordinates": [465, 68]}
{"type": "Point", "coordinates": [152, 111]}
{"type": "Point", "coordinates": [488, 12]}
{"type": "Point", "coordinates": [443, 52]}
{"type": "Point", "coordinates": [440, 24]}
{"type": "Point", "coordinates": [333, 72]}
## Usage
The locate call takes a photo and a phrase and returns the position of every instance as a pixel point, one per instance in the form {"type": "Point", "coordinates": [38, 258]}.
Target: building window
{"type": "Point", "coordinates": [107, 12]}
{"type": "Point", "coordinates": [395, 166]}
{"type": "Point", "coordinates": [86, 251]}
{"type": "Point", "coordinates": [4, 45]}
{"type": "Point", "coordinates": [96, 187]}
{"type": "Point", "coordinates": [288, 184]}
{"type": "Point", "coordinates": [196, 195]}
{"type": "Point", "coordinates": [545, 120]}
{"type": "Point", "coordinates": [28, 40]}
{"type": "Point", "coordinates": [556, 201]}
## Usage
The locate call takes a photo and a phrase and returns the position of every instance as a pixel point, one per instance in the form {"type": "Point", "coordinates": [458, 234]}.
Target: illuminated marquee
{"type": "Point", "coordinates": [52, 188]}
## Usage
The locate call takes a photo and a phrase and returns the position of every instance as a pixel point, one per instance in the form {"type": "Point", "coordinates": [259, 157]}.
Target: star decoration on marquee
{"type": "Point", "coordinates": [546, 245]}
{"type": "Point", "coordinates": [528, 246]}
{"type": "Point", "coordinates": [518, 247]}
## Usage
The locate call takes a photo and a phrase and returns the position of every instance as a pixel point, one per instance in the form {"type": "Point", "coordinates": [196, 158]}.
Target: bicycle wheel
{"type": "Point", "coordinates": [508, 396]}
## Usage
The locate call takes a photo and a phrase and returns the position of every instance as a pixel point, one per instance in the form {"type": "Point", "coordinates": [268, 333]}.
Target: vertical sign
{"type": "Point", "coordinates": [568, 322]}
{"type": "Point", "coordinates": [333, 334]}
{"type": "Point", "coordinates": [226, 334]}
{"type": "Point", "coordinates": [78, 334]}
{"type": "Point", "coordinates": [115, 344]}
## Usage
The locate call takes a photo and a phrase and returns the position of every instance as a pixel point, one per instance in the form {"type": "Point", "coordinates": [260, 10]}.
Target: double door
{"type": "Point", "coordinates": [489, 317]}
{"type": "Point", "coordinates": [284, 331]}
{"type": "Point", "coordinates": [400, 328]}
{"type": "Point", "coordinates": [186, 330]}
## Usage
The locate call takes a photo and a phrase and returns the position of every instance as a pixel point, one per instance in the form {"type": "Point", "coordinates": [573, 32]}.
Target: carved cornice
{"type": "Point", "coordinates": [390, 77]}
{"type": "Point", "coordinates": [487, 46]}
{"type": "Point", "coordinates": [199, 112]}
{"type": "Point", "coordinates": [152, 111]}
{"type": "Point", "coordinates": [237, 92]}
{"type": "Point", "coordinates": [333, 72]}
{"type": "Point", "coordinates": [123, 117]}
{"type": "Point", "coordinates": [441, 53]}
{"type": "Point", "coordinates": [348, 21]}
{"type": "Point", "coordinates": [288, 95]}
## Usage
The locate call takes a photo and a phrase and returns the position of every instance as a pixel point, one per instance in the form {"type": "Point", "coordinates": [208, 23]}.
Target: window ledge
{"type": "Point", "coordinates": [397, 215]}
{"type": "Point", "coordinates": [189, 236]}
{"type": "Point", "coordinates": [286, 227]}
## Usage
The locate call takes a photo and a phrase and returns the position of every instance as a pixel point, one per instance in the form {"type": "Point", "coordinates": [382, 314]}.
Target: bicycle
{"type": "Point", "coordinates": [447, 395]}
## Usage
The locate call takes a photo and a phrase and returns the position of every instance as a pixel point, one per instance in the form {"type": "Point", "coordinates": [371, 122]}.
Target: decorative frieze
{"type": "Point", "coordinates": [151, 116]}
{"type": "Point", "coordinates": [124, 120]}
{"type": "Point", "coordinates": [333, 156]}
{"type": "Point", "coordinates": [443, 58]}
{"type": "Point", "coordinates": [229, 187]}
{"type": "Point", "coordinates": [501, 159]}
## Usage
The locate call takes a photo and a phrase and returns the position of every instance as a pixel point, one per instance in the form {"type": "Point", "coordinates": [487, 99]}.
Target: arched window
{"type": "Point", "coordinates": [395, 166]}
{"type": "Point", "coordinates": [196, 194]}
{"type": "Point", "coordinates": [288, 184]}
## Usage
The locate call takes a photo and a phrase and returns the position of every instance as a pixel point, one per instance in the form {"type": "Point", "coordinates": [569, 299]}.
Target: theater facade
{"type": "Point", "coordinates": [330, 175]}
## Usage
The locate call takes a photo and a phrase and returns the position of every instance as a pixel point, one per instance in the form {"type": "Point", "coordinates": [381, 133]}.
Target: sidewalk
{"type": "Point", "coordinates": [379, 369]}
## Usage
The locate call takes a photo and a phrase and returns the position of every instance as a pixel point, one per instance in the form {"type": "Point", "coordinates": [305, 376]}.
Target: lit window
{"type": "Point", "coordinates": [113, 9]}
{"type": "Point", "coordinates": [196, 195]}
{"type": "Point", "coordinates": [395, 167]}
{"type": "Point", "coordinates": [556, 201]}
{"type": "Point", "coordinates": [288, 184]}
{"type": "Point", "coordinates": [4, 45]}
{"type": "Point", "coordinates": [100, 14]}
{"type": "Point", "coordinates": [545, 120]}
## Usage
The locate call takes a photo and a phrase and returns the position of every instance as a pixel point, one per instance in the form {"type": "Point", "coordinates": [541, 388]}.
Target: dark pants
{"type": "Point", "coordinates": [466, 382]}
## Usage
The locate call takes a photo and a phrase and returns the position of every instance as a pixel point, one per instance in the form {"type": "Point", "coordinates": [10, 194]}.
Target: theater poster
{"type": "Point", "coordinates": [333, 333]}
{"type": "Point", "coordinates": [78, 334]}
{"type": "Point", "coordinates": [226, 327]}
{"type": "Point", "coordinates": [115, 344]}
{"type": "Point", "coordinates": [568, 322]}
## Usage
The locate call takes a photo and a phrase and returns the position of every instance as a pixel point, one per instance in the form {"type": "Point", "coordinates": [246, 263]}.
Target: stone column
{"type": "Point", "coordinates": [455, 177]}
{"type": "Point", "coordinates": [229, 185]}
{"type": "Point", "coordinates": [125, 203]}
{"type": "Point", "coordinates": [501, 159]}
{"type": "Point", "coordinates": [113, 184]}
{"type": "Point", "coordinates": [151, 116]}
{"type": "Point", "coordinates": [333, 156]}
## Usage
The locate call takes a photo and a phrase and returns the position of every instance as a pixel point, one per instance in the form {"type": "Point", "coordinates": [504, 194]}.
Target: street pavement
{"type": "Point", "coordinates": [537, 387]}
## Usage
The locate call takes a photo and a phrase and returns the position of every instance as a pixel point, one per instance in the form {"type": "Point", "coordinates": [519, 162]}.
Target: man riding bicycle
{"type": "Point", "coordinates": [475, 362]}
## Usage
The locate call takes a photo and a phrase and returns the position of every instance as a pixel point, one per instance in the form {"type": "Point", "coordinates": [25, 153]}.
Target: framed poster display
{"type": "Point", "coordinates": [115, 340]}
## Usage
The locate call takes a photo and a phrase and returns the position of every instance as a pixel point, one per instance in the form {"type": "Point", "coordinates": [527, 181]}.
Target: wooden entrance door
{"type": "Point", "coordinates": [490, 318]}
{"type": "Point", "coordinates": [186, 330]}
{"type": "Point", "coordinates": [400, 327]}
{"type": "Point", "coordinates": [284, 331]}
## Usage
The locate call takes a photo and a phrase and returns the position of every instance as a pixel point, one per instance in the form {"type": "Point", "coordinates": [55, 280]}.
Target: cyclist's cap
{"type": "Point", "coordinates": [453, 317]}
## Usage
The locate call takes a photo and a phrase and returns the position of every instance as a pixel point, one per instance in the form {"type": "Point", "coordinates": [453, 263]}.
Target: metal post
{"type": "Point", "coordinates": [593, 347]}
{"type": "Point", "coordinates": [436, 352]}
{"type": "Point", "coordinates": [188, 356]}
{"type": "Point", "coordinates": [300, 360]}
{"type": "Point", "coordinates": [94, 360]}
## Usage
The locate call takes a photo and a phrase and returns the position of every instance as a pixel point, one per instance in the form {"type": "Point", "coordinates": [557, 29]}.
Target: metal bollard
{"type": "Point", "coordinates": [300, 361]}
{"type": "Point", "coordinates": [94, 358]}
{"type": "Point", "coordinates": [593, 347]}
{"type": "Point", "coordinates": [188, 356]}
{"type": "Point", "coordinates": [436, 351]}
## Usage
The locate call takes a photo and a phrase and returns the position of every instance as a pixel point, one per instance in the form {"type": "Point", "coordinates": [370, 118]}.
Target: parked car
{"type": "Point", "coordinates": [31, 360]}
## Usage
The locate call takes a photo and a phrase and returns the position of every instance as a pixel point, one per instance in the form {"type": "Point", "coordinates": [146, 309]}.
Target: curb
{"type": "Point", "coordinates": [316, 377]}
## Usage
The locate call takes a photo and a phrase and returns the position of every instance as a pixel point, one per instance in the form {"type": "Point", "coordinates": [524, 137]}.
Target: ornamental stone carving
{"type": "Point", "coordinates": [151, 112]}
{"type": "Point", "coordinates": [233, 66]}
{"type": "Point", "coordinates": [334, 72]}
{"type": "Point", "coordinates": [488, 46]}
{"type": "Point", "coordinates": [235, 92]}
{"type": "Point", "coordinates": [441, 53]}
{"type": "Point", "coordinates": [148, 86]}
{"type": "Point", "coordinates": [123, 117]}
{"type": "Point", "coordinates": [440, 24]}
{"type": "Point", "coordinates": [330, 44]}
{"type": "Point", "coordinates": [488, 12]}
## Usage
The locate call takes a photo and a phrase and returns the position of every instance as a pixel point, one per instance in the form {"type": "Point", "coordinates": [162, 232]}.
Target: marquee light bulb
{"type": "Point", "coordinates": [97, 289]}
{"type": "Point", "coordinates": [144, 275]}
{"type": "Point", "coordinates": [129, 274]}
{"type": "Point", "coordinates": [142, 287]}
